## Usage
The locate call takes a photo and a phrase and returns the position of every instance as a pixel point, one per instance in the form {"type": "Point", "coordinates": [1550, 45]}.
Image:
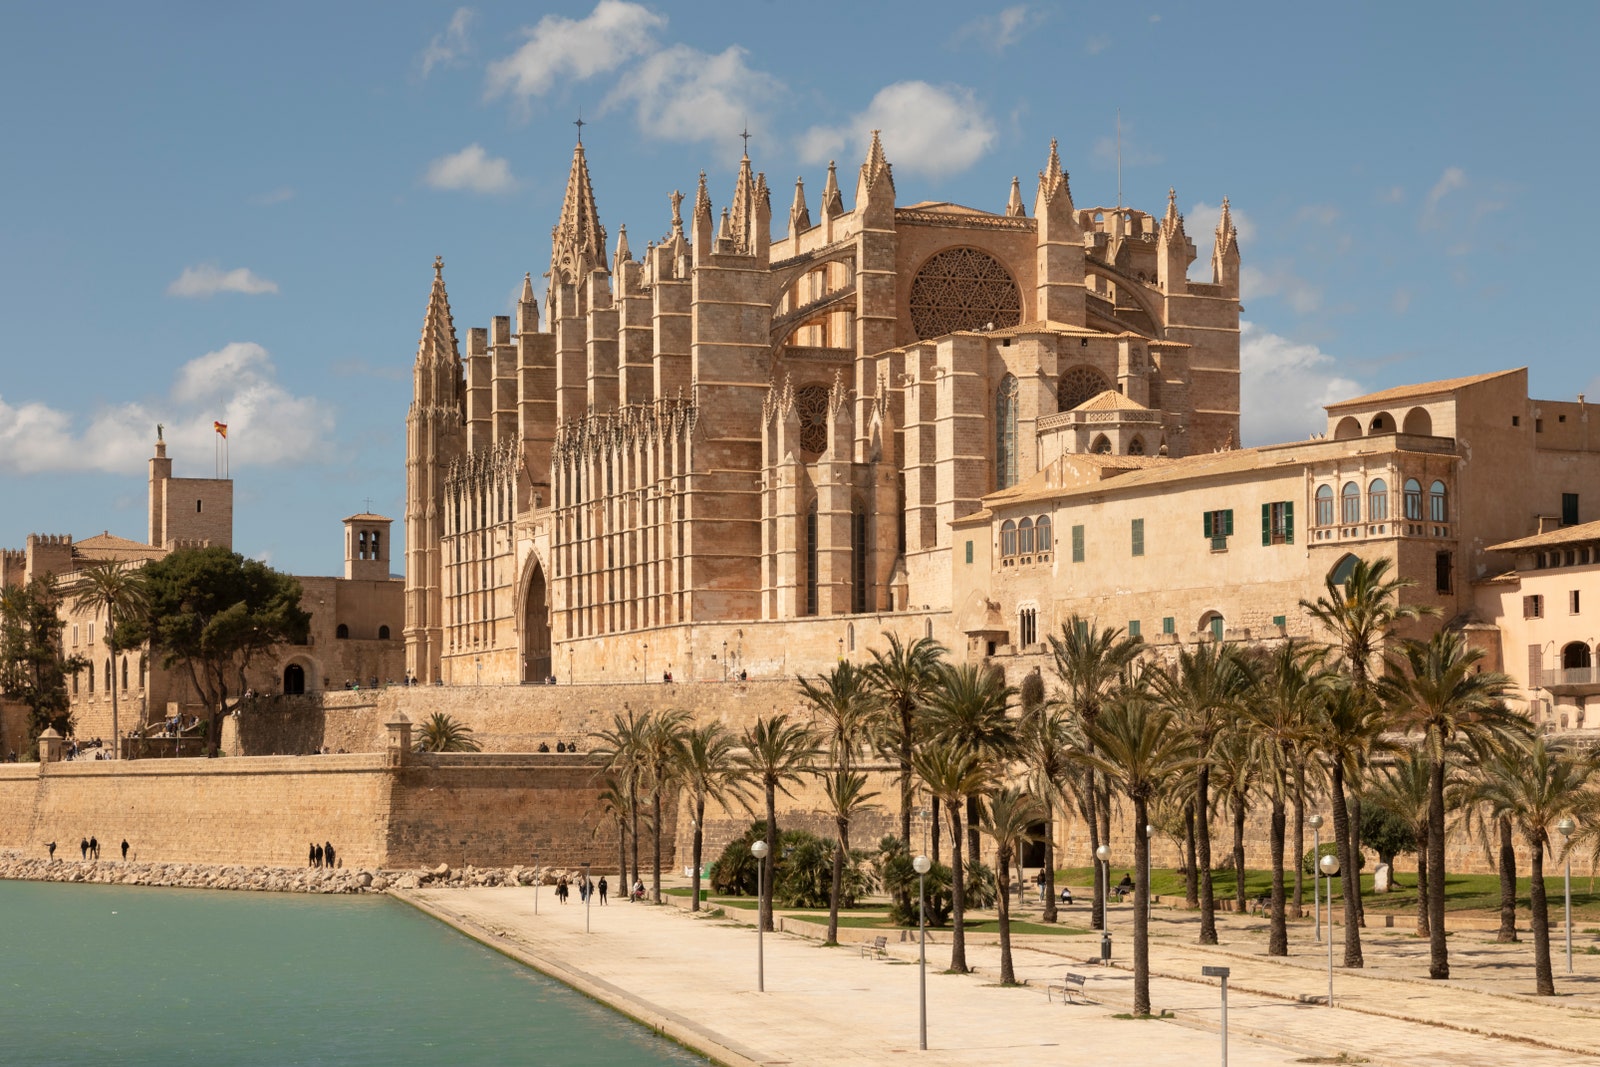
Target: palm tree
{"type": "Point", "coordinates": [1008, 819]}
{"type": "Point", "coordinates": [1204, 691]}
{"type": "Point", "coordinates": [1346, 728]}
{"type": "Point", "coordinates": [1045, 737]}
{"type": "Point", "coordinates": [903, 677]}
{"type": "Point", "coordinates": [659, 760]}
{"type": "Point", "coordinates": [1278, 717]}
{"type": "Point", "coordinates": [1235, 764]}
{"type": "Point", "coordinates": [122, 593]}
{"type": "Point", "coordinates": [1140, 748]}
{"type": "Point", "coordinates": [1533, 785]}
{"type": "Point", "coordinates": [443, 733]}
{"type": "Point", "coordinates": [1401, 789]}
{"type": "Point", "coordinates": [622, 747]}
{"type": "Point", "coordinates": [968, 709]}
{"type": "Point", "coordinates": [616, 806]}
{"type": "Point", "coordinates": [1479, 821]}
{"type": "Point", "coordinates": [952, 773]}
{"type": "Point", "coordinates": [843, 707]}
{"type": "Point", "coordinates": [778, 753]}
{"type": "Point", "coordinates": [848, 797]}
{"type": "Point", "coordinates": [1438, 691]}
{"type": "Point", "coordinates": [709, 769]}
{"type": "Point", "coordinates": [1091, 663]}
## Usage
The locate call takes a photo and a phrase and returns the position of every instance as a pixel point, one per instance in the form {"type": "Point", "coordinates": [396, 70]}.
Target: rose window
{"type": "Point", "coordinates": [963, 289]}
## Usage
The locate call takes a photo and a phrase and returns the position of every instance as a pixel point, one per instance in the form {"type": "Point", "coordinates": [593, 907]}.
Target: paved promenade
{"type": "Point", "coordinates": [694, 979]}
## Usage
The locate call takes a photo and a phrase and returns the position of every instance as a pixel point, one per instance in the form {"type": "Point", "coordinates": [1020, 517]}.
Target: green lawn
{"type": "Point", "coordinates": [1463, 892]}
{"type": "Point", "coordinates": [981, 926]}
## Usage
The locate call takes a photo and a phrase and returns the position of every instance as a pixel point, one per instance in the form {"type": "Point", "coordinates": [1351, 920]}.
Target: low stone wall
{"type": "Point", "coordinates": [266, 879]}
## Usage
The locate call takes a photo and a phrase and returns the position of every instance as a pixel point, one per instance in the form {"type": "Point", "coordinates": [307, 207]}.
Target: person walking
{"type": "Point", "coordinates": [602, 888]}
{"type": "Point", "coordinates": [124, 850]}
{"type": "Point", "coordinates": [316, 860]}
{"type": "Point", "coordinates": [52, 847]}
{"type": "Point", "coordinates": [94, 847]}
{"type": "Point", "coordinates": [327, 854]}
{"type": "Point", "coordinates": [311, 855]}
{"type": "Point", "coordinates": [561, 889]}
{"type": "Point", "coordinates": [83, 847]}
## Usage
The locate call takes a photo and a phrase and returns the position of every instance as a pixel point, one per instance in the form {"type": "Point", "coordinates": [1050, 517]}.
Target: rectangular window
{"type": "Point", "coordinates": [1280, 621]}
{"type": "Point", "coordinates": [1442, 572]}
{"type": "Point", "coordinates": [1569, 509]}
{"type": "Point", "coordinates": [1533, 607]}
{"type": "Point", "coordinates": [969, 551]}
{"type": "Point", "coordinates": [1138, 537]}
{"type": "Point", "coordinates": [1169, 625]}
{"type": "Point", "coordinates": [1572, 602]}
{"type": "Point", "coordinates": [74, 635]}
{"type": "Point", "coordinates": [91, 633]}
{"type": "Point", "coordinates": [1218, 528]}
{"type": "Point", "coordinates": [1277, 523]}
{"type": "Point", "coordinates": [1077, 544]}
{"type": "Point", "coordinates": [1133, 628]}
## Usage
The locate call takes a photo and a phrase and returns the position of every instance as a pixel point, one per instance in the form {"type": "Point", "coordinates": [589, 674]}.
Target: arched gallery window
{"type": "Point", "coordinates": [1438, 509]}
{"type": "Point", "coordinates": [1350, 503]}
{"type": "Point", "coordinates": [1324, 505]}
{"type": "Point", "coordinates": [1413, 496]}
{"type": "Point", "coordinates": [1008, 539]}
{"type": "Point", "coordinates": [1377, 500]}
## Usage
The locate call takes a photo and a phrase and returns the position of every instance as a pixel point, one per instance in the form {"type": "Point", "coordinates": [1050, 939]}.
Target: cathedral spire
{"type": "Point", "coordinates": [623, 252]}
{"type": "Point", "coordinates": [876, 169]}
{"type": "Point", "coordinates": [578, 241]}
{"type": "Point", "coordinates": [1227, 233]}
{"type": "Point", "coordinates": [744, 208]}
{"type": "Point", "coordinates": [527, 288]}
{"type": "Point", "coordinates": [1053, 180]}
{"type": "Point", "coordinates": [1014, 206]}
{"type": "Point", "coordinates": [1172, 222]}
{"type": "Point", "coordinates": [799, 214]}
{"type": "Point", "coordinates": [832, 200]}
{"type": "Point", "coordinates": [438, 342]}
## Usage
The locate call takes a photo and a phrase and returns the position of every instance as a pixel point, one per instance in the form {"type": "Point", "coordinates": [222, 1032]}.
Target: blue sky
{"type": "Point", "coordinates": [226, 212]}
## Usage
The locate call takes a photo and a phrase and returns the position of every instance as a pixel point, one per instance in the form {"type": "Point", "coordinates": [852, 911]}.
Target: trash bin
{"type": "Point", "coordinates": [1105, 946]}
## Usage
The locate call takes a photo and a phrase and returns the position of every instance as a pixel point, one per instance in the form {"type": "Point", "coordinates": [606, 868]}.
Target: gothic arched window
{"type": "Point", "coordinates": [1077, 385]}
{"type": "Point", "coordinates": [1005, 433]}
{"type": "Point", "coordinates": [811, 404]}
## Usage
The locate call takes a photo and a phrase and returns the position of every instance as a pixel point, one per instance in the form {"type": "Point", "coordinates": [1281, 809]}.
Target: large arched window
{"type": "Point", "coordinates": [1377, 500]}
{"type": "Point", "coordinates": [1079, 384]}
{"type": "Point", "coordinates": [1043, 536]}
{"type": "Point", "coordinates": [1101, 446]}
{"type": "Point", "coordinates": [1342, 570]}
{"type": "Point", "coordinates": [1025, 537]}
{"type": "Point", "coordinates": [1575, 656]}
{"type": "Point", "coordinates": [1324, 505]}
{"type": "Point", "coordinates": [1350, 503]}
{"type": "Point", "coordinates": [811, 559]}
{"type": "Point", "coordinates": [1008, 539]}
{"type": "Point", "coordinates": [1005, 433]}
{"type": "Point", "coordinates": [1438, 509]}
{"type": "Point", "coordinates": [1413, 496]}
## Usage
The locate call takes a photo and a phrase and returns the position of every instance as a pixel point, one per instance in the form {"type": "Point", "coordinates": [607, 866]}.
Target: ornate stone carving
{"type": "Point", "coordinates": [963, 289]}
{"type": "Point", "coordinates": [811, 403]}
{"type": "Point", "coordinates": [1079, 384]}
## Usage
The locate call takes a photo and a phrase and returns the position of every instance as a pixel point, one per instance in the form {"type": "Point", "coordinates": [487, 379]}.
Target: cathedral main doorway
{"type": "Point", "coordinates": [294, 680]}
{"type": "Point", "coordinates": [536, 630]}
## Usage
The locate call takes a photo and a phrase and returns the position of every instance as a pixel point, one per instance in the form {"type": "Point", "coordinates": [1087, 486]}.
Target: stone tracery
{"type": "Point", "coordinates": [963, 289]}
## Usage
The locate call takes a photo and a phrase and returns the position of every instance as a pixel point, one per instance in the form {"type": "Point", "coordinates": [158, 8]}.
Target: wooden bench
{"type": "Point", "coordinates": [1071, 985]}
{"type": "Point", "coordinates": [877, 948]}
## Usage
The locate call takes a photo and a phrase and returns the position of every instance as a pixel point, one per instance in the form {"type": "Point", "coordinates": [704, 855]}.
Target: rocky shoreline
{"type": "Point", "coordinates": [261, 878]}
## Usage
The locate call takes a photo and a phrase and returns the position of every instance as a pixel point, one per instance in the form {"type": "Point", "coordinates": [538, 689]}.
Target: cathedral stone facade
{"type": "Point", "coordinates": [732, 454]}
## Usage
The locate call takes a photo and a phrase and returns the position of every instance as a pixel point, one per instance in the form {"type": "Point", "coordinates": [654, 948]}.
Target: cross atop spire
{"type": "Point", "coordinates": [438, 266]}
{"type": "Point", "coordinates": [746, 135]}
{"type": "Point", "coordinates": [580, 124]}
{"type": "Point", "coordinates": [578, 241]}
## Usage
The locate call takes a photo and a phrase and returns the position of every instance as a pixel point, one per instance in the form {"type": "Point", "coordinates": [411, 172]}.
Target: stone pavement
{"type": "Point", "coordinates": [694, 979]}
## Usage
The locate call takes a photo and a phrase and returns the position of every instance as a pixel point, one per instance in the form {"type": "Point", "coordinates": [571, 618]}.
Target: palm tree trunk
{"type": "Point", "coordinates": [1422, 880]}
{"type": "Point", "coordinates": [1202, 832]}
{"type": "Point", "coordinates": [906, 794]}
{"type": "Point", "coordinates": [973, 842]}
{"type": "Point", "coordinates": [1355, 853]}
{"type": "Point", "coordinates": [1541, 922]}
{"type": "Point", "coordinates": [933, 829]}
{"type": "Point", "coordinates": [1097, 899]}
{"type": "Point", "coordinates": [626, 888]}
{"type": "Point", "coordinates": [1002, 874]}
{"type": "Point", "coordinates": [116, 676]}
{"type": "Point", "coordinates": [1299, 841]}
{"type": "Point", "coordinates": [1238, 853]}
{"type": "Point", "coordinates": [1438, 949]}
{"type": "Point", "coordinates": [1051, 914]}
{"type": "Point", "coordinates": [699, 842]}
{"type": "Point", "coordinates": [633, 804]}
{"type": "Point", "coordinates": [1508, 885]}
{"type": "Point", "coordinates": [764, 907]}
{"type": "Point", "coordinates": [1278, 939]}
{"type": "Point", "coordinates": [1141, 909]}
{"type": "Point", "coordinates": [838, 884]}
{"type": "Point", "coordinates": [655, 846]}
{"type": "Point", "coordinates": [1191, 877]}
{"type": "Point", "coordinates": [958, 894]}
{"type": "Point", "coordinates": [1341, 835]}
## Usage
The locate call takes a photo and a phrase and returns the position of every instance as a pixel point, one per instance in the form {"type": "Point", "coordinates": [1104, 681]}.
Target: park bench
{"type": "Point", "coordinates": [877, 948]}
{"type": "Point", "coordinates": [1070, 985]}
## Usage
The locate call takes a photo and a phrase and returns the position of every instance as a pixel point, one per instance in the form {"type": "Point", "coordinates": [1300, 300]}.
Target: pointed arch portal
{"type": "Point", "coordinates": [536, 629]}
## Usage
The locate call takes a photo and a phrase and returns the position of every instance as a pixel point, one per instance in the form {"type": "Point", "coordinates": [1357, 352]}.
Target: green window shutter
{"type": "Point", "coordinates": [1169, 625]}
{"type": "Point", "coordinates": [1227, 522]}
{"type": "Point", "coordinates": [1266, 524]}
{"type": "Point", "coordinates": [1133, 628]}
{"type": "Point", "coordinates": [1077, 544]}
{"type": "Point", "coordinates": [1138, 537]}
{"type": "Point", "coordinates": [969, 551]}
{"type": "Point", "coordinates": [1288, 522]}
{"type": "Point", "coordinates": [1279, 621]}
{"type": "Point", "coordinates": [1208, 524]}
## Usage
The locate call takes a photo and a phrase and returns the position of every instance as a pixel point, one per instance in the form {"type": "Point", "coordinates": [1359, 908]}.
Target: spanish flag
{"type": "Point", "coordinates": [221, 428]}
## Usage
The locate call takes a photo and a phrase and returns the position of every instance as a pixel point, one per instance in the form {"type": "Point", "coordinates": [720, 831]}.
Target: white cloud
{"type": "Point", "coordinates": [1452, 179]}
{"type": "Point", "coordinates": [1097, 44]}
{"type": "Point", "coordinates": [926, 129]}
{"type": "Point", "coordinates": [560, 48]}
{"type": "Point", "coordinates": [1284, 385]}
{"type": "Point", "coordinates": [1392, 195]}
{"type": "Point", "coordinates": [237, 385]}
{"type": "Point", "coordinates": [683, 94]}
{"type": "Point", "coordinates": [451, 45]}
{"type": "Point", "coordinates": [1001, 30]}
{"type": "Point", "coordinates": [281, 195]}
{"type": "Point", "coordinates": [209, 279]}
{"type": "Point", "coordinates": [472, 170]}
{"type": "Point", "coordinates": [1321, 214]}
{"type": "Point", "coordinates": [1201, 221]}
{"type": "Point", "coordinates": [1279, 280]}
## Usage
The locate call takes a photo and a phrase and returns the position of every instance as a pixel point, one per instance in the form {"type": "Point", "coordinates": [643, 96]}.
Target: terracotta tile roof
{"type": "Point", "coordinates": [367, 516]}
{"type": "Point", "coordinates": [1566, 535]}
{"type": "Point", "coordinates": [943, 207]}
{"type": "Point", "coordinates": [1110, 400]}
{"type": "Point", "coordinates": [1421, 389]}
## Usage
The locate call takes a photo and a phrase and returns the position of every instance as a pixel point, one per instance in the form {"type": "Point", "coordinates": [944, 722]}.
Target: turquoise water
{"type": "Point", "coordinates": [121, 975]}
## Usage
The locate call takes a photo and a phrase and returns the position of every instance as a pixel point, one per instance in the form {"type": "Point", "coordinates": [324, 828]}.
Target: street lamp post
{"type": "Point", "coordinates": [1149, 861]}
{"type": "Point", "coordinates": [1103, 854]}
{"type": "Point", "coordinates": [921, 865]}
{"type": "Point", "coordinates": [1315, 822]}
{"type": "Point", "coordinates": [588, 895]}
{"type": "Point", "coordinates": [759, 851]}
{"type": "Point", "coordinates": [1330, 867]}
{"type": "Point", "coordinates": [1566, 826]}
{"type": "Point", "coordinates": [724, 661]}
{"type": "Point", "coordinates": [1222, 973]}
{"type": "Point", "coordinates": [536, 880]}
